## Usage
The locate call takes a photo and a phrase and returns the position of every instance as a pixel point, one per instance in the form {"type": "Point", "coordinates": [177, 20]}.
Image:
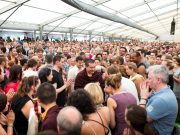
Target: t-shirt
{"type": "Point", "coordinates": [13, 85]}
{"type": "Point", "coordinates": [162, 108]}
{"type": "Point", "coordinates": [58, 80]}
{"type": "Point", "coordinates": [129, 86]}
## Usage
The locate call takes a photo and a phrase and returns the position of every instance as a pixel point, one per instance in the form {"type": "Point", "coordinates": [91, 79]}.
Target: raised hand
{"type": "Point", "coordinates": [10, 117]}
{"type": "Point", "coordinates": [144, 88]}
{"type": "Point", "coordinates": [10, 94]}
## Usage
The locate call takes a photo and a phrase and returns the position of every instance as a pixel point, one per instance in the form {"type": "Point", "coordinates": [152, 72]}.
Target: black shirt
{"type": "Point", "coordinates": [62, 96]}
{"type": "Point", "coordinates": [21, 122]}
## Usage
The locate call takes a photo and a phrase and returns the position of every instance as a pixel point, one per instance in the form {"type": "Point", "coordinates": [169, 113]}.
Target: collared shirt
{"type": "Point", "coordinates": [50, 120]}
{"type": "Point", "coordinates": [82, 79]}
{"type": "Point", "coordinates": [162, 108]}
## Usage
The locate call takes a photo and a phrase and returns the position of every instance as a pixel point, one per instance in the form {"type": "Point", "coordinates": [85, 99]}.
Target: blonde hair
{"type": "Point", "coordinates": [132, 66]}
{"type": "Point", "coordinates": [95, 91]}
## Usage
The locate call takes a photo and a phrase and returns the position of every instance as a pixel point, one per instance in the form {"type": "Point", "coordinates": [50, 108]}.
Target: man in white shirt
{"type": "Point", "coordinates": [75, 70]}
{"type": "Point", "coordinates": [129, 86]}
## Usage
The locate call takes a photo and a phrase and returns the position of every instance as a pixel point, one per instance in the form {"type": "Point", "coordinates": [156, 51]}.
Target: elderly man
{"type": "Point", "coordinates": [162, 105]}
{"type": "Point", "coordinates": [69, 121]}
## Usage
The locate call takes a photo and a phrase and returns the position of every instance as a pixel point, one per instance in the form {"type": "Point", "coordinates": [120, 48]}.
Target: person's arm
{"type": "Point", "coordinates": [142, 70]}
{"type": "Point", "coordinates": [177, 79]}
{"type": "Point", "coordinates": [26, 108]}
{"type": "Point", "coordinates": [157, 109]}
{"type": "Point", "coordinates": [112, 105]}
{"type": "Point", "coordinates": [2, 131]}
{"type": "Point", "coordinates": [138, 82]}
{"type": "Point", "coordinates": [66, 84]}
{"type": "Point", "coordinates": [10, 121]}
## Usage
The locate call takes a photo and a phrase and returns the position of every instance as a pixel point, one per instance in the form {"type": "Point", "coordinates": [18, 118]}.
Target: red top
{"type": "Point", "coordinates": [13, 85]}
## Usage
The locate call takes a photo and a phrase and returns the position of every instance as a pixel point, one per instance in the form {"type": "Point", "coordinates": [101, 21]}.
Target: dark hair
{"type": "Point", "coordinates": [142, 51]}
{"type": "Point", "coordinates": [3, 101]}
{"type": "Point", "coordinates": [124, 48]}
{"type": "Point", "coordinates": [46, 93]}
{"type": "Point", "coordinates": [114, 81]}
{"type": "Point", "coordinates": [82, 100]}
{"type": "Point", "coordinates": [15, 73]}
{"type": "Point", "coordinates": [98, 54]}
{"type": "Point", "coordinates": [19, 50]}
{"type": "Point", "coordinates": [43, 74]}
{"type": "Point", "coordinates": [26, 84]}
{"type": "Point", "coordinates": [11, 48]}
{"type": "Point", "coordinates": [120, 60]}
{"type": "Point", "coordinates": [32, 63]}
{"type": "Point", "coordinates": [138, 54]}
{"type": "Point", "coordinates": [79, 58]}
{"type": "Point", "coordinates": [57, 58]}
{"type": "Point", "coordinates": [23, 61]}
{"type": "Point", "coordinates": [49, 58]}
{"type": "Point", "coordinates": [138, 120]}
{"type": "Point", "coordinates": [82, 53]}
{"type": "Point", "coordinates": [3, 49]}
{"type": "Point", "coordinates": [88, 61]}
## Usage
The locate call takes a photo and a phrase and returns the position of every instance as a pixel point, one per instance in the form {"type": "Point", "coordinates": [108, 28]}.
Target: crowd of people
{"type": "Point", "coordinates": [89, 88]}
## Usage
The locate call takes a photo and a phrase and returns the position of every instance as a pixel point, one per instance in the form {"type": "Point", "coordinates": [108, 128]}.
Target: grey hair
{"type": "Point", "coordinates": [160, 71]}
{"type": "Point", "coordinates": [66, 125]}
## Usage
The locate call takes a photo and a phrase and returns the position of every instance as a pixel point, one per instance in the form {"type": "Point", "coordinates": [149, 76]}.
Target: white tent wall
{"type": "Point", "coordinates": [167, 37]}
{"type": "Point", "coordinates": [177, 36]}
{"type": "Point", "coordinates": [57, 16]}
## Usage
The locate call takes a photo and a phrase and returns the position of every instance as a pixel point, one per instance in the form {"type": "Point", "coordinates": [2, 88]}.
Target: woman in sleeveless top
{"type": "Point", "coordinates": [94, 122]}
{"type": "Point", "coordinates": [131, 70]}
{"type": "Point", "coordinates": [96, 93]}
{"type": "Point", "coordinates": [22, 103]}
{"type": "Point", "coordinates": [117, 103]}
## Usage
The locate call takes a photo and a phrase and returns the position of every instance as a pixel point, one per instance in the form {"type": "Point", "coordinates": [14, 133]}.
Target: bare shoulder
{"type": "Point", "coordinates": [105, 112]}
{"type": "Point", "coordinates": [26, 108]}
{"type": "Point", "coordinates": [111, 102]}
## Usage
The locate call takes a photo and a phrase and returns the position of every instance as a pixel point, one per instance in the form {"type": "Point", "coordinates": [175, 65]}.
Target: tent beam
{"type": "Point", "coordinates": [70, 14]}
{"type": "Point", "coordinates": [11, 6]}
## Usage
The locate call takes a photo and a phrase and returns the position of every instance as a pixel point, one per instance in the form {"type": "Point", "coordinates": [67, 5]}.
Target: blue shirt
{"type": "Point", "coordinates": [162, 108]}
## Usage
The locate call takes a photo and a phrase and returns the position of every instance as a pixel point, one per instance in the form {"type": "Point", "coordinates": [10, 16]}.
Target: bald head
{"type": "Point", "coordinates": [69, 121]}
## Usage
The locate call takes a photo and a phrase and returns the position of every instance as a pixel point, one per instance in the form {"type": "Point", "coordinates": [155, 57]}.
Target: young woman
{"type": "Point", "coordinates": [45, 75]}
{"type": "Point", "coordinates": [14, 78]}
{"type": "Point", "coordinates": [131, 70]}
{"type": "Point", "coordinates": [22, 103]}
{"type": "Point", "coordinates": [117, 103]}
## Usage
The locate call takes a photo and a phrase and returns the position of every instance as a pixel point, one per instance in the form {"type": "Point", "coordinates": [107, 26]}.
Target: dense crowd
{"type": "Point", "coordinates": [89, 88]}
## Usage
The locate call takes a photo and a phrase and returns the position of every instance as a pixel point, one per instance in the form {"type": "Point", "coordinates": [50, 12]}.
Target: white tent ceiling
{"type": "Point", "coordinates": [55, 15]}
